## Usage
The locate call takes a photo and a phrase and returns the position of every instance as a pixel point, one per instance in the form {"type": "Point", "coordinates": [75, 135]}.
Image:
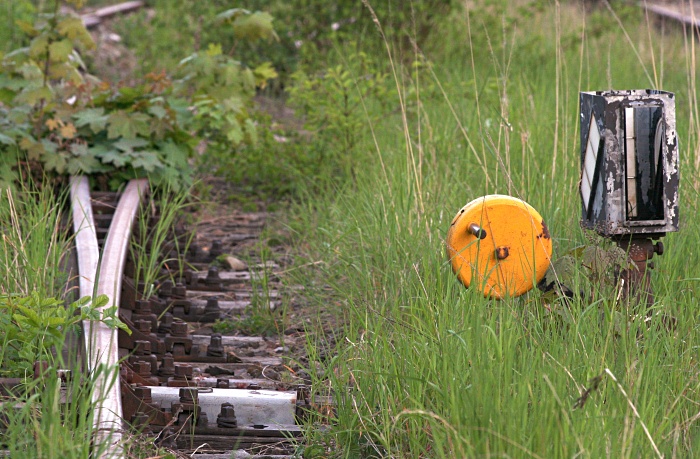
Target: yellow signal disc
{"type": "Point", "coordinates": [500, 245]}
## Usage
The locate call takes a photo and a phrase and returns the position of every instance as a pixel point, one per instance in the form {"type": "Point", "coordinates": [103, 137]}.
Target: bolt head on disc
{"type": "Point", "coordinates": [500, 245]}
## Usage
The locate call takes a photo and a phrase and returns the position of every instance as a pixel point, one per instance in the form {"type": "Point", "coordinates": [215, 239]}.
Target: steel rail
{"type": "Point", "coordinates": [101, 341]}
{"type": "Point", "coordinates": [85, 235]}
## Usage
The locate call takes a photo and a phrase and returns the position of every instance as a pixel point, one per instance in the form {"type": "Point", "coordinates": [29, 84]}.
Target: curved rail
{"type": "Point", "coordinates": [101, 341]}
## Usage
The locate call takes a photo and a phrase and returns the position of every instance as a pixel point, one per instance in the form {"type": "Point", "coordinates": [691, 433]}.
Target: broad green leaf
{"type": "Point", "coordinates": [93, 117]}
{"type": "Point", "coordinates": [100, 301]}
{"type": "Point", "coordinates": [31, 72]}
{"type": "Point", "coordinates": [254, 26]}
{"type": "Point", "coordinates": [49, 146]}
{"type": "Point", "coordinates": [6, 140]}
{"type": "Point", "coordinates": [59, 70]}
{"type": "Point", "coordinates": [251, 131]}
{"type": "Point", "coordinates": [39, 47]}
{"type": "Point", "coordinates": [160, 127]}
{"type": "Point", "coordinates": [158, 111]}
{"type": "Point", "coordinates": [233, 104]}
{"type": "Point", "coordinates": [111, 156]}
{"type": "Point", "coordinates": [54, 321]}
{"type": "Point", "coordinates": [129, 145]}
{"type": "Point", "coordinates": [127, 125]}
{"type": "Point", "coordinates": [10, 82]}
{"type": "Point", "coordinates": [264, 72]}
{"type": "Point", "coordinates": [27, 28]}
{"type": "Point", "coordinates": [128, 95]}
{"type": "Point", "coordinates": [235, 134]}
{"type": "Point", "coordinates": [148, 160]}
{"type": "Point", "coordinates": [56, 162]}
{"type": "Point", "coordinates": [83, 164]}
{"type": "Point", "coordinates": [27, 313]}
{"type": "Point", "coordinates": [34, 95]}
{"type": "Point", "coordinates": [214, 49]}
{"type": "Point", "coordinates": [174, 154]}
{"type": "Point", "coordinates": [34, 149]}
{"type": "Point", "coordinates": [79, 149]}
{"type": "Point", "coordinates": [60, 50]}
{"type": "Point", "coordinates": [73, 75]}
{"type": "Point", "coordinates": [73, 28]}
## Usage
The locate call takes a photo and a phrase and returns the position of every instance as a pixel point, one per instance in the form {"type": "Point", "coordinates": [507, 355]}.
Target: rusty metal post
{"type": "Point", "coordinates": [637, 279]}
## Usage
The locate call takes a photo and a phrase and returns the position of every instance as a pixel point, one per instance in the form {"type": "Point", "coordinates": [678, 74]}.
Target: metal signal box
{"type": "Point", "coordinates": [629, 163]}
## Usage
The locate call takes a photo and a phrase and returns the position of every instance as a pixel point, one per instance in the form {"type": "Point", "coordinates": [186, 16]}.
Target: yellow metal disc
{"type": "Point", "coordinates": [500, 245]}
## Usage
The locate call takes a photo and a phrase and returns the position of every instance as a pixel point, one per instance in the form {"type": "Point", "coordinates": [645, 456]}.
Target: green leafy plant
{"type": "Point", "coordinates": [65, 122]}
{"type": "Point", "coordinates": [33, 327]}
{"type": "Point", "coordinates": [61, 120]}
{"type": "Point", "coordinates": [334, 101]}
{"type": "Point", "coordinates": [221, 88]}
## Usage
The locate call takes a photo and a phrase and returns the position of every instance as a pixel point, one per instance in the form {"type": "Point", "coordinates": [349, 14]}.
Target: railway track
{"type": "Point", "coordinates": [171, 378]}
{"type": "Point", "coordinates": [685, 13]}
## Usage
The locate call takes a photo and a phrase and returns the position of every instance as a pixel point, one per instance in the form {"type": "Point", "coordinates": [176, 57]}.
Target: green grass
{"type": "Point", "coordinates": [38, 422]}
{"type": "Point", "coordinates": [154, 244]}
{"type": "Point", "coordinates": [427, 368]}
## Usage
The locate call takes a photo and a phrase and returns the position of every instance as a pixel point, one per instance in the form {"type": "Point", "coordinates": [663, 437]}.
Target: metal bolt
{"type": "Point", "coordinates": [166, 288]}
{"type": "Point", "coordinates": [144, 326]}
{"type": "Point", "coordinates": [217, 248]}
{"type": "Point", "coordinates": [212, 306]}
{"type": "Point", "coordinates": [476, 230]}
{"type": "Point", "coordinates": [189, 395]}
{"type": "Point", "coordinates": [659, 248]}
{"type": "Point", "coordinates": [167, 366]}
{"type": "Point", "coordinates": [188, 276]}
{"type": "Point", "coordinates": [166, 323]}
{"type": "Point", "coordinates": [213, 277]}
{"type": "Point", "coordinates": [227, 417]}
{"type": "Point", "coordinates": [179, 329]}
{"type": "Point", "coordinates": [142, 347]}
{"type": "Point", "coordinates": [142, 307]}
{"type": "Point", "coordinates": [179, 291]}
{"type": "Point", "coordinates": [144, 394]}
{"type": "Point", "coordinates": [143, 368]}
{"type": "Point", "coordinates": [215, 348]}
{"type": "Point", "coordinates": [183, 371]}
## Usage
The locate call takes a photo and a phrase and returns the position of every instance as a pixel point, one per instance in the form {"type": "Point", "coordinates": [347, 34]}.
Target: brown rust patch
{"type": "Point", "coordinates": [545, 231]}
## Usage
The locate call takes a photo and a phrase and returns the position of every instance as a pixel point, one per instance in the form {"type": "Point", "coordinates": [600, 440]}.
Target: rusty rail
{"type": "Point", "coordinates": [101, 341]}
